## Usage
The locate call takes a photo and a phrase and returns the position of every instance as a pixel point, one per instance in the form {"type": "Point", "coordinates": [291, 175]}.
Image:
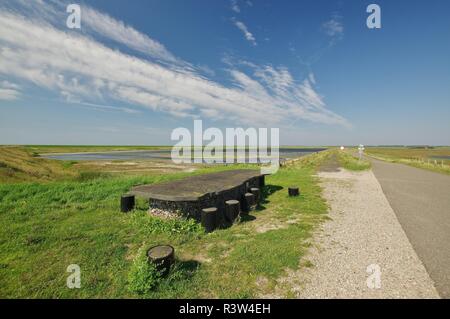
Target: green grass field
{"type": "Point", "coordinates": [435, 158]}
{"type": "Point", "coordinates": [20, 164]}
{"type": "Point", "coordinates": [69, 218]}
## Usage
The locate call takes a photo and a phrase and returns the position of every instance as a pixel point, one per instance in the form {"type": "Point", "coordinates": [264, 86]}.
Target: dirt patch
{"type": "Point", "coordinates": [263, 228]}
{"type": "Point", "coordinates": [131, 252]}
{"type": "Point", "coordinates": [268, 225]}
{"type": "Point", "coordinates": [201, 258]}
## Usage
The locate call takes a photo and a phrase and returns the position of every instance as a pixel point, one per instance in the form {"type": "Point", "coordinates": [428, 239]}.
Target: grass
{"type": "Point", "coordinates": [20, 164]}
{"type": "Point", "coordinates": [47, 226]}
{"type": "Point", "coordinates": [343, 159]}
{"type": "Point", "coordinates": [421, 157]}
{"type": "Point", "coordinates": [350, 162]}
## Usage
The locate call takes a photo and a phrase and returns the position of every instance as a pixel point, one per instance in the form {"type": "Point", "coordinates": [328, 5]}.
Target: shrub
{"type": "Point", "coordinates": [143, 276]}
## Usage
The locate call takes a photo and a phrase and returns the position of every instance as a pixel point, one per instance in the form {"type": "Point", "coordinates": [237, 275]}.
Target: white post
{"type": "Point", "coordinates": [360, 151]}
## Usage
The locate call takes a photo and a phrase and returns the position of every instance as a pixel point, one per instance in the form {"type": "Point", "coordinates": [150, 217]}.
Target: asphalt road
{"type": "Point", "coordinates": [421, 201]}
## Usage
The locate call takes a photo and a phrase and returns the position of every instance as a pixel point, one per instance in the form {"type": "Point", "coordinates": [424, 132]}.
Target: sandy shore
{"type": "Point", "coordinates": [363, 238]}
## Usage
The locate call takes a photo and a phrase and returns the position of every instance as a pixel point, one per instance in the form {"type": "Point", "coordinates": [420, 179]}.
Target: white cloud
{"type": "Point", "coordinates": [94, 23]}
{"type": "Point", "coordinates": [118, 31]}
{"type": "Point", "coordinates": [83, 70]}
{"type": "Point", "coordinates": [248, 35]}
{"type": "Point", "coordinates": [206, 69]}
{"type": "Point", "coordinates": [234, 6]}
{"type": "Point", "coordinates": [333, 27]}
{"type": "Point", "coordinates": [9, 94]}
{"type": "Point", "coordinates": [102, 107]}
{"type": "Point", "coordinates": [9, 91]}
{"type": "Point", "coordinates": [8, 85]}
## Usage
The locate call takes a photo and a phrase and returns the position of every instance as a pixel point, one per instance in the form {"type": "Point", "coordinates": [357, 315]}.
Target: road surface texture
{"type": "Point", "coordinates": [421, 201]}
{"type": "Point", "coordinates": [362, 232]}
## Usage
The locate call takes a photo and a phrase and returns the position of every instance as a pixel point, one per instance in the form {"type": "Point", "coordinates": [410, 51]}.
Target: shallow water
{"type": "Point", "coordinates": [285, 153]}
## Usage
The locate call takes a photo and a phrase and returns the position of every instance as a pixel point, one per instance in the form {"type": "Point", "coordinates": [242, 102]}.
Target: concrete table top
{"type": "Point", "coordinates": [195, 187]}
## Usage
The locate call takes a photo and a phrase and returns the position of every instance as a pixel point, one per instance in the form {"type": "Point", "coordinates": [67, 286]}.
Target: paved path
{"type": "Point", "coordinates": [363, 235]}
{"type": "Point", "coordinates": [421, 201]}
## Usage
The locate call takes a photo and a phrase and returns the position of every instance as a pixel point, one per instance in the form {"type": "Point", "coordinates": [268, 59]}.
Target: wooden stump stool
{"type": "Point", "coordinates": [262, 181]}
{"type": "Point", "coordinates": [255, 191]}
{"type": "Point", "coordinates": [209, 219]}
{"type": "Point", "coordinates": [127, 203]}
{"type": "Point", "coordinates": [232, 208]}
{"type": "Point", "coordinates": [248, 203]}
{"type": "Point", "coordinates": [293, 191]}
{"type": "Point", "coordinates": [162, 256]}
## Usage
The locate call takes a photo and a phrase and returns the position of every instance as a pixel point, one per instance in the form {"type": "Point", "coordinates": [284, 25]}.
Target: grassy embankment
{"type": "Point", "coordinates": [344, 159]}
{"type": "Point", "coordinates": [415, 156]}
{"type": "Point", "coordinates": [349, 161]}
{"type": "Point", "coordinates": [47, 226]}
{"type": "Point", "coordinates": [23, 164]}
{"type": "Point", "coordinates": [19, 164]}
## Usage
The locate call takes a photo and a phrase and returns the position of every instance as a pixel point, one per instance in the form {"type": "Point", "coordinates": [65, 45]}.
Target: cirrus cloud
{"type": "Point", "coordinates": [247, 34]}
{"type": "Point", "coordinates": [79, 66]}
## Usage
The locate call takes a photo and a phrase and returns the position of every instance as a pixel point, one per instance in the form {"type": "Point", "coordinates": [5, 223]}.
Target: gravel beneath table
{"type": "Point", "coordinates": [363, 230]}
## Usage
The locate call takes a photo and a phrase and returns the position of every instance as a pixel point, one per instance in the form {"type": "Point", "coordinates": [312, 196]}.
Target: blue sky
{"type": "Point", "coordinates": [136, 70]}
